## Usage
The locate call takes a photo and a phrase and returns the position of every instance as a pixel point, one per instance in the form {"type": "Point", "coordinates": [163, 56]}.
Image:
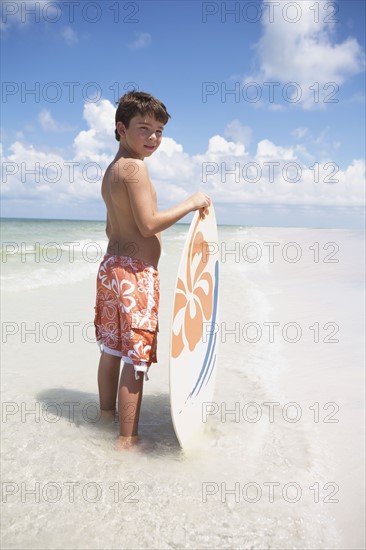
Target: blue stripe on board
{"type": "Point", "coordinates": [212, 340]}
{"type": "Point", "coordinates": [209, 363]}
{"type": "Point", "coordinates": [211, 371]}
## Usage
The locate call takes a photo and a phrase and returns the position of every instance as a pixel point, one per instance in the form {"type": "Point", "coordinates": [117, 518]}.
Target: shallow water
{"type": "Point", "coordinates": [257, 479]}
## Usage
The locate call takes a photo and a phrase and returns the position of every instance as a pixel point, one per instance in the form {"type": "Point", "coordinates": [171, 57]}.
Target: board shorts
{"type": "Point", "coordinates": [126, 311]}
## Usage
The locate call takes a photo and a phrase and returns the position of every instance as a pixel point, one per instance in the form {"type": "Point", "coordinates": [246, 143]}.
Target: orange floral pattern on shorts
{"type": "Point", "coordinates": [126, 311]}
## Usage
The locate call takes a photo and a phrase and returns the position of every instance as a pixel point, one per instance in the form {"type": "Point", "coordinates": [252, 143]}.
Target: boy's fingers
{"type": "Point", "coordinates": [203, 212]}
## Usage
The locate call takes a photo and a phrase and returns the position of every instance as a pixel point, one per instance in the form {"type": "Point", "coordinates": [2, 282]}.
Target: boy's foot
{"type": "Point", "coordinates": [104, 413]}
{"type": "Point", "coordinates": [125, 442]}
{"type": "Point", "coordinates": [107, 419]}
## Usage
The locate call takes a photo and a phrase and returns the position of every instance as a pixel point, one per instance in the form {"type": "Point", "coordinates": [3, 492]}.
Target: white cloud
{"type": "Point", "coordinates": [266, 151]}
{"type": "Point", "coordinates": [238, 132]}
{"type": "Point", "coordinates": [300, 132]}
{"type": "Point", "coordinates": [163, 167]}
{"type": "Point", "coordinates": [304, 52]}
{"type": "Point", "coordinates": [98, 142]}
{"type": "Point", "coordinates": [25, 12]}
{"type": "Point", "coordinates": [276, 107]}
{"type": "Point", "coordinates": [219, 147]}
{"type": "Point", "coordinates": [142, 40]}
{"type": "Point", "coordinates": [69, 36]}
{"type": "Point", "coordinates": [227, 171]}
{"type": "Point", "coordinates": [49, 124]}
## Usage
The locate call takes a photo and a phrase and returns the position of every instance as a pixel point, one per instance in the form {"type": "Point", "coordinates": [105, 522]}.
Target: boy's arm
{"type": "Point", "coordinates": [148, 219]}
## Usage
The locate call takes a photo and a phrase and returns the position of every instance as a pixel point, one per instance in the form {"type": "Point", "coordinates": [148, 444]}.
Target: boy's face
{"type": "Point", "coordinates": [143, 135]}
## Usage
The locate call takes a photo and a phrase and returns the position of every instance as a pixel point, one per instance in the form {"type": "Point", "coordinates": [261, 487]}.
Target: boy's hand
{"type": "Point", "coordinates": [203, 213]}
{"type": "Point", "coordinates": [201, 202]}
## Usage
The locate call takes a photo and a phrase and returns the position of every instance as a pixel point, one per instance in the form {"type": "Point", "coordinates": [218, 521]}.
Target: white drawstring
{"type": "Point", "coordinates": [141, 368]}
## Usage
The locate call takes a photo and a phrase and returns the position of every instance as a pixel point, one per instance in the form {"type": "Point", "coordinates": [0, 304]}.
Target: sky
{"type": "Point", "coordinates": [267, 105]}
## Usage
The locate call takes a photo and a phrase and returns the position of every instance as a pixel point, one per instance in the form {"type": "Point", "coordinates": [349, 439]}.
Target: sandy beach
{"type": "Point", "coordinates": [281, 461]}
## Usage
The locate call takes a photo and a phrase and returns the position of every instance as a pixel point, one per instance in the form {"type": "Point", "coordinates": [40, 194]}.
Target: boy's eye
{"type": "Point", "coordinates": [160, 132]}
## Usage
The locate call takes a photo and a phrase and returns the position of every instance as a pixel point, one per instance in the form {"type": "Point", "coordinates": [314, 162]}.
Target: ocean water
{"type": "Point", "coordinates": [37, 253]}
{"type": "Point", "coordinates": [280, 463]}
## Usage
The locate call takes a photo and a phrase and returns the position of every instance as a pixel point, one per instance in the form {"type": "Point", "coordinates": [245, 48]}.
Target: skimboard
{"type": "Point", "coordinates": [194, 328]}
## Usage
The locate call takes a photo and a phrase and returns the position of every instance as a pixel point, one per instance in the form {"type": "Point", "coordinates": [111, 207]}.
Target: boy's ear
{"type": "Point", "coordinates": [120, 127]}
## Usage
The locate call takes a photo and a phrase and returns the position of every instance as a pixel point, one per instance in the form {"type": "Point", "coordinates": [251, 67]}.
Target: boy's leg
{"type": "Point", "coordinates": [129, 403]}
{"type": "Point", "coordinates": [108, 375]}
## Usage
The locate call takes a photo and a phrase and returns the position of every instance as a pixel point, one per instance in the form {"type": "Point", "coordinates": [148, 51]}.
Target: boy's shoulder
{"type": "Point", "coordinates": [126, 169]}
{"type": "Point", "coordinates": [125, 161]}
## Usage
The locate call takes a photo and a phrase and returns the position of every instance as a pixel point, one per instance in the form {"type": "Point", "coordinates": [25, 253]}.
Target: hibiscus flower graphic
{"type": "Point", "coordinates": [193, 300]}
{"type": "Point", "coordinates": [127, 302]}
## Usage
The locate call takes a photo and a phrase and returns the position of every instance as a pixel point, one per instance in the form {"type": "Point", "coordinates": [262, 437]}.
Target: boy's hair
{"type": "Point", "coordinates": [139, 103]}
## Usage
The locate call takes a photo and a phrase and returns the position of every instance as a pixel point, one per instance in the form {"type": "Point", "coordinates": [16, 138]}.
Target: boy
{"type": "Point", "coordinates": [126, 312]}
